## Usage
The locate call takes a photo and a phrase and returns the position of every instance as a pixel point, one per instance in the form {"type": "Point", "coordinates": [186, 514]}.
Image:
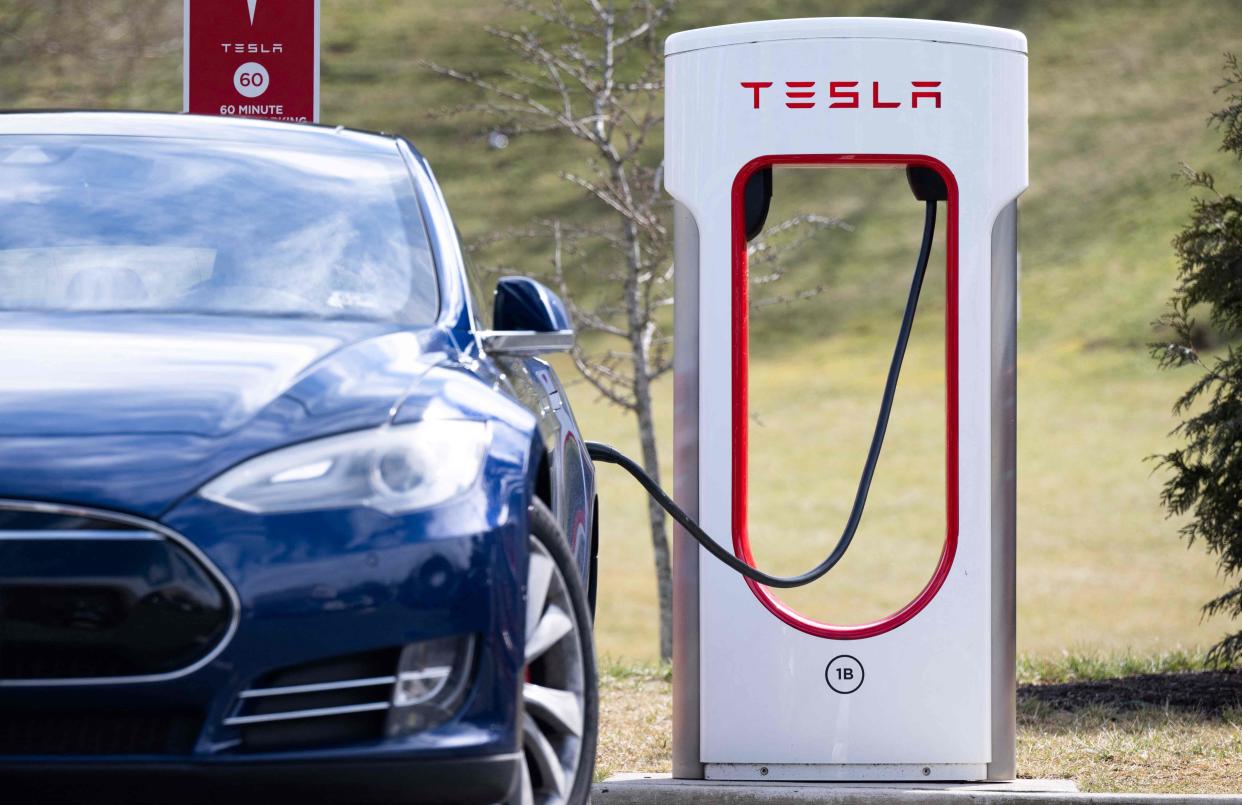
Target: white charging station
{"type": "Point", "coordinates": [762, 692]}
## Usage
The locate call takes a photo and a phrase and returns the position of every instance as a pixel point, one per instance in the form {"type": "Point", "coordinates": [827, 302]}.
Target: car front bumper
{"type": "Point", "coordinates": [311, 589]}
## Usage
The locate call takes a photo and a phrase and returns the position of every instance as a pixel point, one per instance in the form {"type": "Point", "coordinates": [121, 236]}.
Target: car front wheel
{"type": "Point", "coordinates": [560, 696]}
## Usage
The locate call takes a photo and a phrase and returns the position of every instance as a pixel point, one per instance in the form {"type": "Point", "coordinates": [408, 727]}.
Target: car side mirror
{"type": "Point", "coordinates": [527, 319]}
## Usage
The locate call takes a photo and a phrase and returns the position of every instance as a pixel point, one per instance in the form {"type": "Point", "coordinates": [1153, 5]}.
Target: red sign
{"type": "Point", "coordinates": [252, 58]}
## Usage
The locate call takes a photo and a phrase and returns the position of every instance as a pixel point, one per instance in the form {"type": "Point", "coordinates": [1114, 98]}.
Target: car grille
{"type": "Point", "coordinates": [338, 701]}
{"type": "Point", "coordinates": [90, 596]}
{"type": "Point", "coordinates": [97, 733]}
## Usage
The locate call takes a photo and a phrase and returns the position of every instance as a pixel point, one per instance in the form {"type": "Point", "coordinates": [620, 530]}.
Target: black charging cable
{"type": "Point", "coordinates": [610, 455]}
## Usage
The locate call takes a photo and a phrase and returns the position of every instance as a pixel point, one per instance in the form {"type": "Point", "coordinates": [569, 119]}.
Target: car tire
{"type": "Point", "coordinates": [560, 695]}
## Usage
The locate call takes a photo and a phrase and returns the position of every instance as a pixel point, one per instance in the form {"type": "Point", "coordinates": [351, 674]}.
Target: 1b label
{"type": "Point", "coordinates": [844, 674]}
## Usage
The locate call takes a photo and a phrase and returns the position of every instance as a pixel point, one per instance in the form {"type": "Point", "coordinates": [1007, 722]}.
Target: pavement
{"type": "Point", "coordinates": [661, 789]}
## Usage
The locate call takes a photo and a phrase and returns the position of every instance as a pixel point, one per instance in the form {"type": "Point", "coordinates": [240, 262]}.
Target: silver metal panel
{"type": "Point", "coordinates": [687, 764]}
{"type": "Point", "coordinates": [318, 687]}
{"type": "Point", "coordinates": [853, 772]}
{"type": "Point", "coordinates": [1004, 490]}
{"type": "Point", "coordinates": [525, 343]}
{"type": "Point", "coordinates": [297, 715]}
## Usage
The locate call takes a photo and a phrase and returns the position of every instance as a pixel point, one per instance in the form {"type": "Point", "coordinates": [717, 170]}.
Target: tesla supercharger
{"type": "Point", "coordinates": [761, 691]}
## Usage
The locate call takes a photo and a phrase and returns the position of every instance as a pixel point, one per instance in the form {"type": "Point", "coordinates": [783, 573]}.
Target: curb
{"type": "Point", "coordinates": [660, 789]}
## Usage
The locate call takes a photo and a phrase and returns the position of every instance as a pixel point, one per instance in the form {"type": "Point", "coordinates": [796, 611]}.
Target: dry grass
{"type": "Point", "coordinates": [1146, 750]}
{"type": "Point", "coordinates": [1111, 117]}
{"type": "Point", "coordinates": [1138, 748]}
{"type": "Point", "coordinates": [636, 719]}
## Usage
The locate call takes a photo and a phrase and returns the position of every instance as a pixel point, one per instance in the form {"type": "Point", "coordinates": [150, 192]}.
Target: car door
{"type": "Point", "coordinates": [534, 383]}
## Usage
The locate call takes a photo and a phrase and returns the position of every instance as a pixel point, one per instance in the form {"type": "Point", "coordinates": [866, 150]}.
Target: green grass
{"type": "Point", "coordinates": [1099, 568]}
{"type": "Point", "coordinates": [1071, 667]}
{"type": "Point", "coordinates": [1119, 93]}
{"type": "Point", "coordinates": [614, 669]}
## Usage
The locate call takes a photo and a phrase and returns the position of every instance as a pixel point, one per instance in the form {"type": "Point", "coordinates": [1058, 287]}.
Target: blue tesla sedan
{"type": "Point", "coordinates": [287, 505]}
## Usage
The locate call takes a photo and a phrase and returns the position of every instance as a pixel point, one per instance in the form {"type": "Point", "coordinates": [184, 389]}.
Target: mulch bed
{"type": "Point", "coordinates": [1210, 692]}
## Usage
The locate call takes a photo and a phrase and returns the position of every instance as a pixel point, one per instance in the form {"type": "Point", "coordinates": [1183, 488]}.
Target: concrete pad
{"type": "Point", "coordinates": [660, 789]}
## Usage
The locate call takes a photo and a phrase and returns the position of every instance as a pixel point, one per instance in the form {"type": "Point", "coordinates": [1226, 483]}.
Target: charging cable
{"type": "Point", "coordinates": [610, 455]}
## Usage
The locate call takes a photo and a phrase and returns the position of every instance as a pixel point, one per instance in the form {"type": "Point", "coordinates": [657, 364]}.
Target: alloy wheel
{"type": "Point", "coordinates": [554, 690]}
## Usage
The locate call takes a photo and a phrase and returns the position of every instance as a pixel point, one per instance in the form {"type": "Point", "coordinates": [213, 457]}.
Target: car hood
{"type": "Point", "coordinates": [133, 411]}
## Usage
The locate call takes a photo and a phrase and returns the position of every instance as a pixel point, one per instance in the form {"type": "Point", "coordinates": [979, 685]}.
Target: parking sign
{"type": "Point", "coordinates": [252, 58]}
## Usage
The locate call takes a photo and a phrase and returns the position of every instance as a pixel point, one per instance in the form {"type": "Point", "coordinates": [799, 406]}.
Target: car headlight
{"type": "Point", "coordinates": [393, 469]}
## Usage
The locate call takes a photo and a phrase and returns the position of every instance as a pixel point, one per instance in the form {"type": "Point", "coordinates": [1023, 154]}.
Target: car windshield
{"type": "Point", "coordinates": [119, 224]}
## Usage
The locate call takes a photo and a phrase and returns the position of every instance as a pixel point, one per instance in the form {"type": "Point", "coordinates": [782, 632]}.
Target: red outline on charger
{"type": "Point", "coordinates": [741, 404]}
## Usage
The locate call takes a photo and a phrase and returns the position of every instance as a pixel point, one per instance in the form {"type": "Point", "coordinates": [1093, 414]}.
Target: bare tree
{"type": "Point", "coordinates": [594, 73]}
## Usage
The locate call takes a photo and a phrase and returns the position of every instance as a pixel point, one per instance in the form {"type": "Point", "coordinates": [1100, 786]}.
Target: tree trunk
{"type": "Point", "coordinates": [659, 537]}
{"type": "Point", "coordinates": [638, 318]}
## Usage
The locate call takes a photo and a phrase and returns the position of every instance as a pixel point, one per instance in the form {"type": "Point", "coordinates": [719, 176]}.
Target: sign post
{"type": "Point", "coordinates": [252, 58]}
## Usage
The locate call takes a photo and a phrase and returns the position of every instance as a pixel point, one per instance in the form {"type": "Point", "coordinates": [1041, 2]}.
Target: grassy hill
{"type": "Point", "coordinates": [1120, 93]}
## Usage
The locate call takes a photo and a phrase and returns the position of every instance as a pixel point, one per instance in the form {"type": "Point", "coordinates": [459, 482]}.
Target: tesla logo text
{"type": "Point", "coordinates": [252, 47]}
{"type": "Point", "coordinates": [846, 94]}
